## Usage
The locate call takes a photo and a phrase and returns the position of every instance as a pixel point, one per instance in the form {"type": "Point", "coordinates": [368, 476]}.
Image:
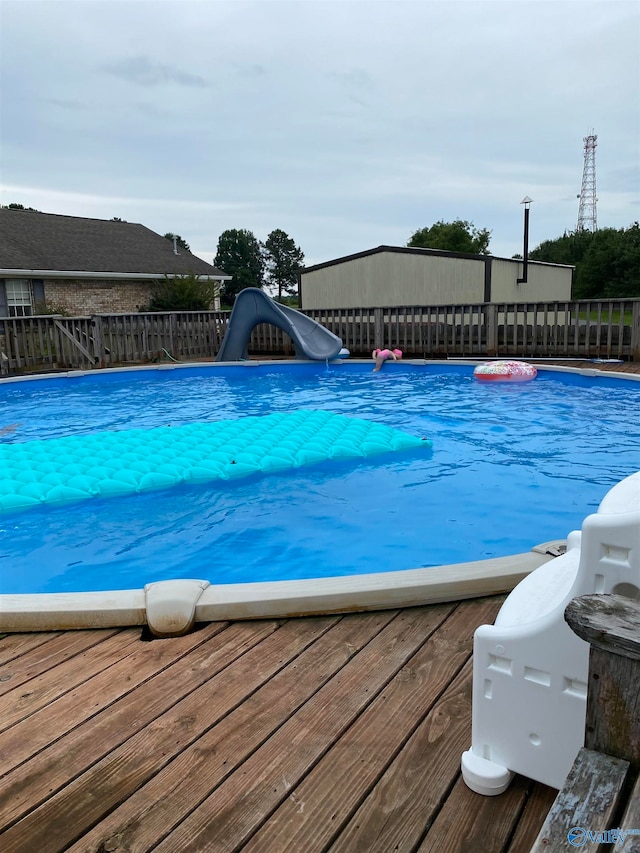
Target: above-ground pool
{"type": "Point", "coordinates": [511, 466]}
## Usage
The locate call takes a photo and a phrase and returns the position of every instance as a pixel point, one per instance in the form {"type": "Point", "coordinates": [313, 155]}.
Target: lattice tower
{"type": "Point", "coordinates": [587, 217]}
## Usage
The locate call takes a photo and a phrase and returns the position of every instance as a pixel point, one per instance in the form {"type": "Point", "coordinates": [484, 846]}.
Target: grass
{"type": "Point", "coordinates": [607, 316]}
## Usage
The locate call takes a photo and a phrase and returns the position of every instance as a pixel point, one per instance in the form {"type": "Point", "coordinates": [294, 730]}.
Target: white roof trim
{"type": "Point", "coordinates": [83, 274]}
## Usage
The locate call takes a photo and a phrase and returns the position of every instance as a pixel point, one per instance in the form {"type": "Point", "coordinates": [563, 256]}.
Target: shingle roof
{"type": "Point", "coordinates": [47, 241]}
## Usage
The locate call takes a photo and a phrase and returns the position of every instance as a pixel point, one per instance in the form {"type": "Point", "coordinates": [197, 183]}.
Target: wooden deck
{"type": "Point", "coordinates": [320, 734]}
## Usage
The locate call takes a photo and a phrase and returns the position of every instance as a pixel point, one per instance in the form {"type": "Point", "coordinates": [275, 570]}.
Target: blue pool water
{"type": "Point", "coordinates": [512, 465]}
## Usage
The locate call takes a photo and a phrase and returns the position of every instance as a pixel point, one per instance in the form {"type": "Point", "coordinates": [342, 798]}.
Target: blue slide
{"type": "Point", "coordinates": [253, 306]}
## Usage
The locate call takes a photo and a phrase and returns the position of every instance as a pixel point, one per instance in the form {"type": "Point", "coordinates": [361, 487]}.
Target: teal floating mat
{"type": "Point", "coordinates": [61, 470]}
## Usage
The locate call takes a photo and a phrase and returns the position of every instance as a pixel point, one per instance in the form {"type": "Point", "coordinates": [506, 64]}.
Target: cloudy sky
{"type": "Point", "coordinates": [346, 123]}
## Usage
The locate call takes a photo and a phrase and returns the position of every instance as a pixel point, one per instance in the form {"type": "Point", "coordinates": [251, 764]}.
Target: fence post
{"type": "Point", "coordinates": [635, 331]}
{"type": "Point", "coordinates": [611, 625]}
{"type": "Point", "coordinates": [98, 340]}
{"type": "Point", "coordinates": [491, 322]}
{"type": "Point", "coordinates": [172, 332]}
{"type": "Point", "coordinates": [378, 327]}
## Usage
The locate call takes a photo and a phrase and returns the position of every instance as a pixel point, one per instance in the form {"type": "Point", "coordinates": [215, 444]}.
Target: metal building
{"type": "Point", "coordinates": [390, 276]}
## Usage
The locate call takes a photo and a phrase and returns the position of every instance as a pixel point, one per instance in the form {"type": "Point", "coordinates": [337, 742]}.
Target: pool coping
{"type": "Point", "coordinates": [172, 607]}
{"type": "Point", "coordinates": [540, 363]}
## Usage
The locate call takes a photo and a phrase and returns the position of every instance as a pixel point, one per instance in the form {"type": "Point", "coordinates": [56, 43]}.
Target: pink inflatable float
{"type": "Point", "coordinates": [505, 371]}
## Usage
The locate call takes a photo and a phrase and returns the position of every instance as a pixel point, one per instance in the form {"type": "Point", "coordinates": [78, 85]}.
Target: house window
{"type": "Point", "coordinates": [18, 297]}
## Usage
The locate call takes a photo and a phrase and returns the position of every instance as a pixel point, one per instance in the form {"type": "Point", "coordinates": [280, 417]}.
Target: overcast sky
{"type": "Point", "coordinates": [346, 124]}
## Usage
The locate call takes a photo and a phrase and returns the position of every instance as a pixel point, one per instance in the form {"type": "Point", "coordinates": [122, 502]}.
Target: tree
{"type": "Point", "coordinates": [179, 240]}
{"type": "Point", "coordinates": [457, 236]}
{"type": "Point", "coordinates": [283, 260]}
{"type": "Point", "coordinates": [15, 206]}
{"type": "Point", "coordinates": [569, 249]}
{"type": "Point", "coordinates": [184, 293]}
{"type": "Point", "coordinates": [607, 261]}
{"type": "Point", "coordinates": [239, 255]}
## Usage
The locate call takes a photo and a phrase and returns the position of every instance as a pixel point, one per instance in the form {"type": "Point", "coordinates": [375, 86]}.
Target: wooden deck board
{"type": "Point", "coordinates": [405, 801]}
{"type": "Point", "coordinates": [143, 719]}
{"type": "Point", "coordinates": [339, 733]}
{"type": "Point", "coordinates": [331, 792]}
{"type": "Point", "coordinates": [485, 824]}
{"type": "Point", "coordinates": [41, 675]}
{"type": "Point", "coordinates": [540, 798]}
{"type": "Point", "coordinates": [14, 645]}
{"type": "Point", "coordinates": [156, 808]}
{"type": "Point", "coordinates": [272, 772]}
{"type": "Point", "coordinates": [95, 694]}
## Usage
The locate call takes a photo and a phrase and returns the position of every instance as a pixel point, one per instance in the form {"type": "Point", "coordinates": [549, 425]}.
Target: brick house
{"type": "Point", "coordinates": [85, 266]}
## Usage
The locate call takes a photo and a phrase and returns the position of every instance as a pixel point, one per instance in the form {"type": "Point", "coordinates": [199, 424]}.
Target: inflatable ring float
{"type": "Point", "coordinates": [505, 371]}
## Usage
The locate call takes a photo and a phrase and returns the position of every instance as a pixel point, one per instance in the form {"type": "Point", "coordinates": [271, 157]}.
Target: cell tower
{"type": "Point", "coordinates": [587, 218]}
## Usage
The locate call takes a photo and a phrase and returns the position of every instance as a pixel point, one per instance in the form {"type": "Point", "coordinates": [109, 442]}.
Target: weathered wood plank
{"type": "Point", "coordinates": [613, 706]}
{"type": "Point", "coordinates": [469, 821]}
{"type": "Point", "coordinates": [630, 822]}
{"type": "Point", "coordinates": [14, 645]}
{"type": "Point", "coordinates": [607, 622]}
{"type": "Point", "coordinates": [29, 736]}
{"type": "Point", "coordinates": [591, 796]}
{"type": "Point", "coordinates": [124, 778]}
{"type": "Point", "coordinates": [405, 800]}
{"type": "Point", "coordinates": [611, 624]}
{"type": "Point", "coordinates": [73, 340]}
{"type": "Point", "coordinates": [81, 750]}
{"type": "Point", "coordinates": [159, 806]}
{"type": "Point", "coordinates": [68, 660]}
{"type": "Point", "coordinates": [35, 658]}
{"type": "Point", "coordinates": [315, 812]}
{"type": "Point", "coordinates": [104, 786]}
{"type": "Point", "coordinates": [267, 777]}
{"type": "Point", "coordinates": [538, 805]}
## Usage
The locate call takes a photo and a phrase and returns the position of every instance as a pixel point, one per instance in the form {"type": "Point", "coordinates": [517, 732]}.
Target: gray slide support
{"type": "Point", "coordinates": [253, 306]}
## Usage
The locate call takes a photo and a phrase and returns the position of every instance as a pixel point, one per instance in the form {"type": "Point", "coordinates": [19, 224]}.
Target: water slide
{"type": "Point", "coordinates": [253, 306]}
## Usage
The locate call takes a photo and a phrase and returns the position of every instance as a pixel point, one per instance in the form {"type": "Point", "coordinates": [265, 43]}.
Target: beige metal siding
{"type": "Point", "coordinates": [545, 282]}
{"type": "Point", "coordinates": [389, 278]}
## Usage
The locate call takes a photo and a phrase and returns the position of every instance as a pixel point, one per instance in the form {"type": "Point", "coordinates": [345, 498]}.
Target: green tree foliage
{"type": "Point", "coordinates": [179, 240]}
{"type": "Point", "coordinates": [283, 259]}
{"type": "Point", "coordinates": [607, 261]}
{"type": "Point", "coordinates": [569, 249]}
{"type": "Point", "coordinates": [457, 236]}
{"type": "Point", "coordinates": [240, 255]}
{"type": "Point", "coordinates": [15, 206]}
{"type": "Point", "coordinates": [184, 293]}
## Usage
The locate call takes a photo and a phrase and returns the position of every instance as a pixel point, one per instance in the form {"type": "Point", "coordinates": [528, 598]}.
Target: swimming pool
{"type": "Point", "coordinates": [512, 466]}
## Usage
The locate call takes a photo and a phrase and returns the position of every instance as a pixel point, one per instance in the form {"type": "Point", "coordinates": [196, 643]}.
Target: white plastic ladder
{"type": "Point", "coordinates": [530, 669]}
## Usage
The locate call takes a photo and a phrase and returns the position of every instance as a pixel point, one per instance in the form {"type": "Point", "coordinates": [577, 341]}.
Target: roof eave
{"type": "Point", "coordinates": [7, 273]}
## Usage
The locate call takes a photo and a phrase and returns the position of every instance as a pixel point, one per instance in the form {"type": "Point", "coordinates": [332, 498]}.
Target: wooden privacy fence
{"type": "Point", "coordinates": [103, 340]}
{"type": "Point", "coordinates": [603, 329]}
{"type": "Point", "coordinates": [595, 329]}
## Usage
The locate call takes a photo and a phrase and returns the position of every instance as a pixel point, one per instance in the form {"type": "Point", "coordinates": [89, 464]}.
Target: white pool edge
{"type": "Point", "coordinates": [171, 608]}
{"type": "Point", "coordinates": [336, 362]}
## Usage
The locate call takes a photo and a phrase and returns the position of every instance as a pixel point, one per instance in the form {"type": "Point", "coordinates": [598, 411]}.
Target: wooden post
{"type": "Point", "coordinates": [635, 331]}
{"type": "Point", "coordinates": [491, 321]}
{"type": "Point", "coordinates": [172, 333]}
{"type": "Point", "coordinates": [611, 625]}
{"type": "Point", "coordinates": [98, 341]}
{"type": "Point", "coordinates": [589, 809]}
{"type": "Point", "coordinates": [378, 329]}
